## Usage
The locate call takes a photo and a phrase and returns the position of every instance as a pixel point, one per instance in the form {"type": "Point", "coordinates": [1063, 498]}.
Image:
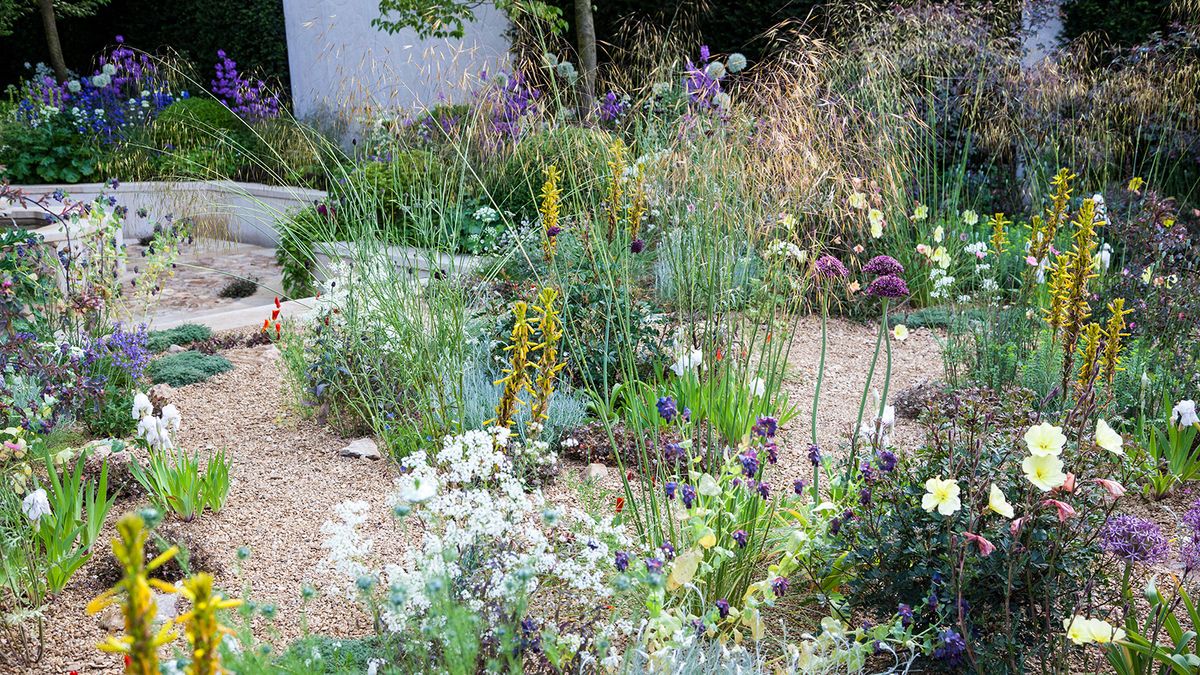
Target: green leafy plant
{"type": "Point", "coordinates": [77, 511]}
{"type": "Point", "coordinates": [1158, 643]}
{"type": "Point", "coordinates": [1170, 456]}
{"type": "Point", "coordinates": [177, 484]}
{"type": "Point", "coordinates": [186, 368]}
{"type": "Point", "coordinates": [159, 340]}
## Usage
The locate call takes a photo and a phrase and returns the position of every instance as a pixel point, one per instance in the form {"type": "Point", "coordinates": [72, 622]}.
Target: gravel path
{"type": "Point", "coordinates": [288, 475]}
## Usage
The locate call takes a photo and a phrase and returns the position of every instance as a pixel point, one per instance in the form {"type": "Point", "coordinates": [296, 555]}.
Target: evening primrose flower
{"type": "Point", "coordinates": [1102, 632]}
{"type": "Point", "coordinates": [999, 503]}
{"type": "Point", "coordinates": [942, 495]}
{"type": "Point", "coordinates": [970, 217]}
{"type": "Point", "coordinates": [941, 257]}
{"type": "Point", "coordinates": [1077, 629]}
{"type": "Point", "coordinates": [921, 212]}
{"type": "Point", "coordinates": [1109, 439]}
{"type": "Point", "coordinates": [858, 200]}
{"type": "Point", "coordinates": [939, 234]}
{"type": "Point", "coordinates": [1044, 471]}
{"type": "Point", "coordinates": [875, 218]}
{"type": "Point", "coordinates": [900, 332]}
{"type": "Point", "coordinates": [1045, 439]}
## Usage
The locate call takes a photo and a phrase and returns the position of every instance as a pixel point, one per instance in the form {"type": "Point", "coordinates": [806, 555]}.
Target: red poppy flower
{"type": "Point", "coordinates": [620, 504]}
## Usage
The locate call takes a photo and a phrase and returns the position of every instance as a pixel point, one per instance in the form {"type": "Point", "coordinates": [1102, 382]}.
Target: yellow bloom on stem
{"type": "Point", "coordinates": [1102, 632]}
{"type": "Point", "coordinates": [1108, 439]}
{"type": "Point", "coordinates": [942, 495]}
{"type": "Point", "coordinates": [1077, 629]}
{"type": "Point", "coordinates": [1044, 471]}
{"type": "Point", "coordinates": [900, 332]}
{"type": "Point", "coordinates": [1045, 439]}
{"type": "Point", "coordinates": [999, 503]}
{"type": "Point", "coordinates": [875, 217]}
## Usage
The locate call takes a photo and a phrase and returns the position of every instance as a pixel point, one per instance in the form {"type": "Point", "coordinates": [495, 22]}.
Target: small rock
{"type": "Point", "coordinates": [161, 395]}
{"type": "Point", "coordinates": [175, 349]}
{"type": "Point", "coordinates": [111, 619]}
{"type": "Point", "coordinates": [364, 448]}
{"type": "Point", "coordinates": [595, 471]}
{"type": "Point", "coordinates": [167, 607]}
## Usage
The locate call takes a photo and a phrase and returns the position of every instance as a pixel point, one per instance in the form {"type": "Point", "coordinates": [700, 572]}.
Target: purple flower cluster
{"type": "Point", "coordinates": [611, 107]}
{"type": "Point", "coordinates": [951, 648]}
{"type": "Point", "coordinates": [125, 349]}
{"type": "Point", "coordinates": [741, 537]}
{"type": "Point", "coordinates": [883, 264]}
{"type": "Point", "coordinates": [766, 427]}
{"type": "Point", "coordinates": [829, 267]}
{"type": "Point", "coordinates": [1189, 547]}
{"type": "Point", "coordinates": [1134, 540]}
{"type": "Point", "coordinates": [515, 99]}
{"type": "Point", "coordinates": [814, 453]}
{"type": "Point", "coordinates": [700, 82]}
{"type": "Point", "coordinates": [750, 465]}
{"type": "Point", "coordinates": [779, 586]}
{"type": "Point", "coordinates": [888, 286]}
{"type": "Point", "coordinates": [249, 99]}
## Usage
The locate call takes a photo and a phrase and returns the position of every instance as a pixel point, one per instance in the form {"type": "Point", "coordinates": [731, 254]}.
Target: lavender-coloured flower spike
{"type": "Point", "coordinates": [883, 264]}
{"type": "Point", "coordinates": [1134, 540]}
{"type": "Point", "coordinates": [829, 267]}
{"type": "Point", "coordinates": [888, 286]}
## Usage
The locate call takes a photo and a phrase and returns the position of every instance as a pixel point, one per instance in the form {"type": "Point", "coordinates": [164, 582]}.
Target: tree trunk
{"type": "Point", "coordinates": [585, 31]}
{"type": "Point", "coordinates": [46, 7]}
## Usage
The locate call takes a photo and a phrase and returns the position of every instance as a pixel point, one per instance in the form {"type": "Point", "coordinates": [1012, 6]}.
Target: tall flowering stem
{"type": "Point", "coordinates": [999, 238]}
{"type": "Point", "coordinates": [201, 626]}
{"type": "Point", "coordinates": [1114, 334]}
{"type": "Point", "coordinates": [548, 364]}
{"type": "Point", "coordinates": [1073, 287]}
{"type": "Point", "coordinates": [816, 484]}
{"type": "Point", "coordinates": [140, 643]}
{"type": "Point", "coordinates": [616, 188]}
{"type": "Point", "coordinates": [551, 205]}
{"type": "Point", "coordinates": [516, 378]}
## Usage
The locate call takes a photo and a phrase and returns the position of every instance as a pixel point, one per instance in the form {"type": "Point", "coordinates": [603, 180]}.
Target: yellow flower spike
{"type": "Point", "coordinates": [547, 365]}
{"type": "Point", "coordinates": [201, 625]}
{"type": "Point", "coordinates": [1114, 334]}
{"type": "Point", "coordinates": [551, 205]}
{"type": "Point", "coordinates": [516, 377]}
{"type": "Point", "coordinates": [999, 238]}
{"type": "Point", "coordinates": [616, 190]}
{"type": "Point", "coordinates": [1091, 353]}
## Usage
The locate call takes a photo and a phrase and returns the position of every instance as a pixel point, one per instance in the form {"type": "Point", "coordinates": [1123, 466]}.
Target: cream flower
{"type": "Point", "coordinates": [1184, 414]}
{"type": "Point", "coordinates": [900, 332]}
{"type": "Point", "coordinates": [1109, 439]}
{"type": "Point", "coordinates": [35, 505]}
{"type": "Point", "coordinates": [999, 503]}
{"type": "Point", "coordinates": [1078, 630]}
{"type": "Point", "coordinates": [939, 234]}
{"type": "Point", "coordinates": [1045, 439]}
{"type": "Point", "coordinates": [875, 217]}
{"type": "Point", "coordinates": [858, 200]}
{"type": "Point", "coordinates": [1044, 471]}
{"type": "Point", "coordinates": [142, 406]}
{"type": "Point", "coordinates": [921, 212]}
{"type": "Point", "coordinates": [941, 495]}
{"type": "Point", "coordinates": [970, 217]}
{"type": "Point", "coordinates": [1102, 632]}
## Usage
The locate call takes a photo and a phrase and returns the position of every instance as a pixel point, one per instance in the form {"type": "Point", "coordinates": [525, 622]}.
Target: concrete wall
{"type": "Point", "coordinates": [242, 212]}
{"type": "Point", "coordinates": [340, 64]}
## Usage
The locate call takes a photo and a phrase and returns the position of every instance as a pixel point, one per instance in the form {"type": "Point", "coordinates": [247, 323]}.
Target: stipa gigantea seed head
{"type": "Point", "coordinates": [516, 376]}
{"type": "Point", "coordinates": [134, 593]}
{"type": "Point", "coordinates": [202, 626]}
{"type": "Point", "coordinates": [1091, 353]}
{"type": "Point", "coordinates": [999, 238]}
{"type": "Point", "coordinates": [1114, 335]}
{"type": "Point", "coordinates": [551, 205]}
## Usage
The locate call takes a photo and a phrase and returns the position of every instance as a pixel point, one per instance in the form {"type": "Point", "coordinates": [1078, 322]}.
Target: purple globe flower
{"type": "Point", "coordinates": [829, 267]}
{"type": "Point", "coordinates": [622, 561]}
{"type": "Point", "coordinates": [741, 538]}
{"type": "Point", "coordinates": [888, 286]}
{"type": "Point", "coordinates": [674, 451]}
{"type": "Point", "coordinates": [666, 408]}
{"type": "Point", "coordinates": [951, 649]}
{"type": "Point", "coordinates": [883, 264]}
{"type": "Point", "coordinates": [637, 246]}
{"type": "Point", "coordinates": [1134, 540]}
{"type": "Point", "coordinates": [906, 614]}
{"type": "Point", "coordinates": [779, 586]}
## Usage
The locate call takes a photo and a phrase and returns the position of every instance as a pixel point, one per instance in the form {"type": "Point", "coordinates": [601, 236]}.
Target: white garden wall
{"type": "Point", "coordinates": [242, 212]}
{"type": "Point", "coordinates": [340, 64]}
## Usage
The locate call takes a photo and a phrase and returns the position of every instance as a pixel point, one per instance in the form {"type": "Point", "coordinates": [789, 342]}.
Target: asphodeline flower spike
{"type": "Point", "coordinates": [202, 625]}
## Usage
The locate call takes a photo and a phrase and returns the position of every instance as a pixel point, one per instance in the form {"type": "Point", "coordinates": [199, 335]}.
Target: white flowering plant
{"type": "Point", "coordinates": [535, 576]}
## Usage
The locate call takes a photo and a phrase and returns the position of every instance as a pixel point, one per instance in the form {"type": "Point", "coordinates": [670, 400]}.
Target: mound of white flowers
{"type": "Point", "coordinates": [487, 544]}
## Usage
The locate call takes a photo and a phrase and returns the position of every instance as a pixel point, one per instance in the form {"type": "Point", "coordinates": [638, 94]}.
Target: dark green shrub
{"type": "Point", "coordinates": [50, 153]}
{"type": "Point", "coordinates": [239, 288]}
{"type": "Point", "coordinates": [186, 368]}
{"type": "Point", "coordinates": [158, 341]}
{"type": "Point", "coordinates": [580, 153]}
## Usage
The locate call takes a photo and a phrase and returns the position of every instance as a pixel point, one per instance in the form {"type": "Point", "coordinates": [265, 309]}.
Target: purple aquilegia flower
{"type": "Point", "coordinates": [654, 565]}
{"type": "Point", "coordinates": [883, 264]}
{"type": "Point", "coordinates": [766, 427]}
{"type": "Point", "coordinates": [688, 496]}
{"type": "Point", "coordinates": [887, 460]}
{"type": "Point", "coordinates": [670, 487]}
{"type": "Point", "coordinates": [622, 561]}
{"type": "Point", "coordinates": [741, 538]}
{"type": "Point", "coordinates": [798, 486]}
{"type": "Point", "coordinates": [722, 608]}
{"type": "Point", "coordinates": [814, 453]}
{"type": "Point", "coordinates": [764, 490]}
{"type": "Point", "coordinates": [1134, 540]}
{"type": "Point", "coordinates": [779, 586]}
{"type": "Point", "coordinates": [749, 460]}
{"type": "Point", "coordinates": [666, 408]}
{"type": "Point", "coordinates": [888, 286]}
{"type": "Point", "coordinates": [951, 648]}
{"type": "Point", "coordinates": [829, 267]}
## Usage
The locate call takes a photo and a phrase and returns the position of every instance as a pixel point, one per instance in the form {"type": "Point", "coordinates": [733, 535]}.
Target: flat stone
{"type": "Point", "coordinates": [364, 448]}
{"type": "Point", "coordinates": [595, 472]}
{"type": "Point", "coordinates": [175, 349]}
{"type": "Point", "coordinates": [167, 607]}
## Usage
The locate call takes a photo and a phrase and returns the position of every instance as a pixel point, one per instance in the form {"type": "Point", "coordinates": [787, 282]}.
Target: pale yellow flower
{"type": "Point", "coordinates": [1045, 439]}
{"type": "Point", "coordinates": [939, 233]}
{"type": "Point", "coordinates": [1044, 471]}
{"type": "Point", "coordinates": [1109, 439]}
{"type": "Point", "coordinates": [900, 332]}
{"type": "Point", "coordinates": [999, 503]}
{"type": "Point", "coordinates": [1103, 632]}
{"type": "Point", "coordinates": [941, 495]}
{"type": "Point", "coordinates": [970, 217]}
{"type": "Point", "coordinates": [875, 217]}
{"type": "Point", "coordinates": [858, 200]}
{"type": "Point", "coordinates": [1077, 629]}
{"type": "Point", "coordinates": [921, 212]}
{"type": "Point", "coordinates": [941, 256]}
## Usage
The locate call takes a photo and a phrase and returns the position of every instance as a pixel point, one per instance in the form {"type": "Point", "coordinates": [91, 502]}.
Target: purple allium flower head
{"type": "Point", "coordinates": [1134, 540]}
{"type": "Point", "coordinates": [887, 460]}
{"type": "Point", "coordinates": [814, 453]}
{"type": "Point", "coordinates": [883, 264]}
{"type": "Point", "coordinates": [829, 267]}
{"type": "Point", "coordinates": [622, 561]}
{"type": "Point", "coordinates": [688, 495]}
{"type": "Point", "coordinates": [888, 286]}
{"type": "Point", "coordinates": [951, 648]}
{"type": "Point", "coordinates": [779, 586]}
{"type": "Point", "coordinates": [722, 608]}
{"type": "Point", "coordinates": [666, 408]}
{"type": "Point", "coordinates": [749, 460]}
{"type": "Point", "coordinates": [799, 486]}
{"type": "Point", "coordinates": [670, 487]}
{"type": "Point", "coordinates": [741, 538]}
{"type": "Point", "coordinates": [764, 490]}
{"type": "Point", "coordinates": [637, 246]}
{"type": "Point", "coordinates": [766, 427]}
